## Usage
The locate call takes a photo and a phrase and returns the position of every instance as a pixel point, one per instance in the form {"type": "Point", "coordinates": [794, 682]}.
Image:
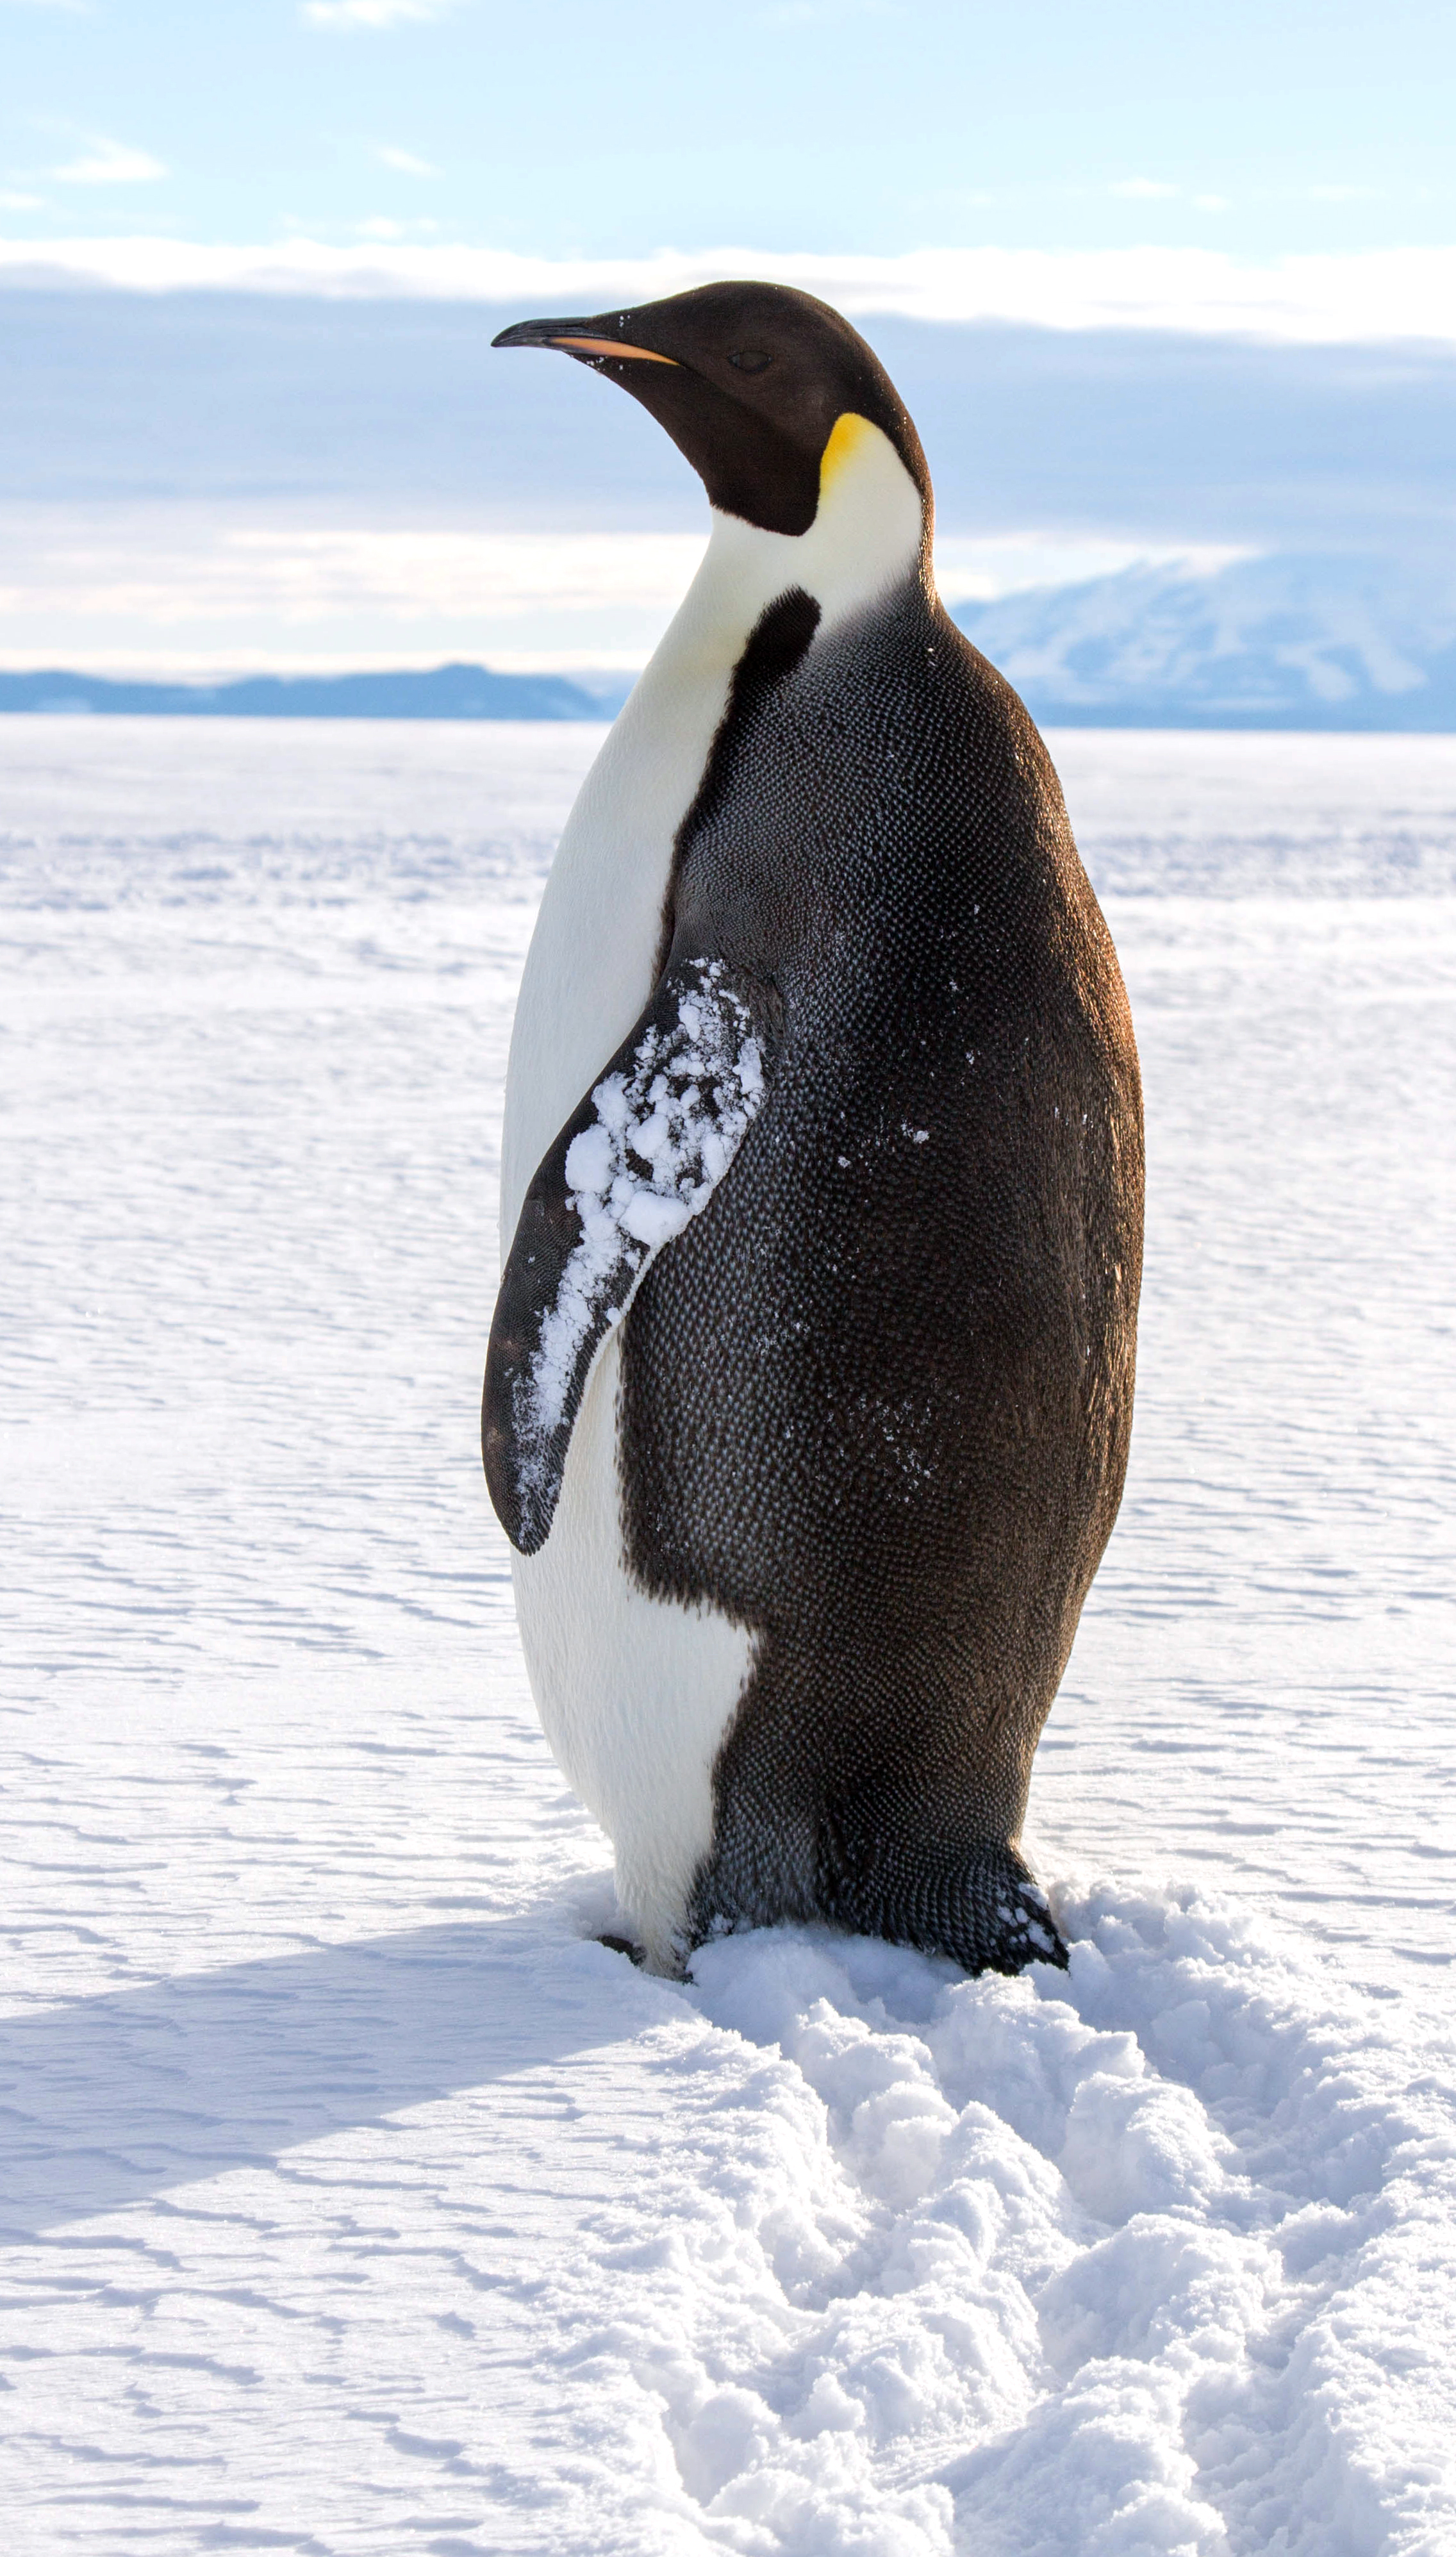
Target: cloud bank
{"type": "Point", "coordinates": [1364, 298]}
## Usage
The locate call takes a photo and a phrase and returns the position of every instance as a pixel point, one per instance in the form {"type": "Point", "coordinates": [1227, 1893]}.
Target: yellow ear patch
{"type": "Point", "coordinates": [850, 433]}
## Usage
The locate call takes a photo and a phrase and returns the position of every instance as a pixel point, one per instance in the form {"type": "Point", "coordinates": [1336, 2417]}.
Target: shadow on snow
{"type": "Point", "coordinates": [111, 2098]}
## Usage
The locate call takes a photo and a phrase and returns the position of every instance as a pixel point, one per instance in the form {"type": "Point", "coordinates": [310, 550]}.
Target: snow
{"type": "Point", "coordinates": [663, 1135]}
{"type": "Point", "coordinates": [357, 2199]}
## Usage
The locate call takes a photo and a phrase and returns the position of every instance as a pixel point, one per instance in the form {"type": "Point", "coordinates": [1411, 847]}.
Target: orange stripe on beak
{"type": "Point", "coordinates": [611, 347]}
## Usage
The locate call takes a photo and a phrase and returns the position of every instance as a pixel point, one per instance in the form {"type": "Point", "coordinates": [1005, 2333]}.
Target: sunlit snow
{"type": "Point", "coordinates": [356, 2200]}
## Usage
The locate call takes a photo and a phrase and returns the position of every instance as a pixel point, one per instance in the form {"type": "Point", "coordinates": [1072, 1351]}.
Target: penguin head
{"type": "Point", "coordinates": [753, 382]}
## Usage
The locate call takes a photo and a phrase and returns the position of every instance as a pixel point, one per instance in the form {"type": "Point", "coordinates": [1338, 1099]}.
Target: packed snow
{"type": "Point", "coordinates": [354, 2198]}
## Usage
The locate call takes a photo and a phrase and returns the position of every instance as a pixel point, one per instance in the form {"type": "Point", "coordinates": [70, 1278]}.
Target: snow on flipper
{"type": "Point", "coordinates": [640, 1156]}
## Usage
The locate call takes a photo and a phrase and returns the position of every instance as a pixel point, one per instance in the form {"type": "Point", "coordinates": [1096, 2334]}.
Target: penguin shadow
{"type": "Point", "coordinates": [114, 2098]}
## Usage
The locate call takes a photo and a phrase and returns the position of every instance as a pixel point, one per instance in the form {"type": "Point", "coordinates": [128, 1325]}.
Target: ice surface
{"type": "Point", "coordinates": [356, 2200]}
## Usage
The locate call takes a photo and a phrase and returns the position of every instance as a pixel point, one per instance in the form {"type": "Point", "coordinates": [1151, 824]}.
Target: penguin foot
{"type": "Point", "coordinates": [990, 1914]}
{"type": "Point", "coordinates": [987, 1912]}
{"type": "Point", "coordinates": [994, 1917]}
{"type": "Point", "coordinates": [624, 1944]}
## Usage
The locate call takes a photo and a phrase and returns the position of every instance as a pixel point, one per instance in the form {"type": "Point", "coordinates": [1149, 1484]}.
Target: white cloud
{"type": "Point", "coordinates": [453, 572]}
{"type": "Point", "coordinates": [165, 573]}
{"type": "Point", "coordinates": [193, 589]}
{"type": "Point", "coordinates": [1364, 297]}
{"type": "Point", "coordinates": [110, 164]}
{"type": "Point", "coordinates": [371, 13]}
{"type": "Point", "coordinates": [981, 569]}
{"type": "Point", "coordinates": [11, 201]}
{"type": "Point", "coordinates": [383, 226]}
{"type": "Point", "coordinates": [391, 156]}
{"type": "Point", "coordinates": [1142, 187]}
{"type": "Point", "coordinates": [1210, 204]}
{"type": "Point", "coordinates": [202, 590]}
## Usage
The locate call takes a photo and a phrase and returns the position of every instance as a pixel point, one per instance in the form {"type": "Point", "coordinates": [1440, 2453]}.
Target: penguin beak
{"type": "Point", "coordinates": [585, 338]}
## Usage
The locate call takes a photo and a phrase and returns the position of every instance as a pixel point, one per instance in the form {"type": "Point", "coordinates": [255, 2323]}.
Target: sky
{"type": "Point", "coordinates": [875, 126]}
{"type": "Point", "coordinates": [1157, 285]}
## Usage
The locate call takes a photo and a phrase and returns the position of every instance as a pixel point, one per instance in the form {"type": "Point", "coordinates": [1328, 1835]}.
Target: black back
{"type": "Point", "coordinates": [876, 1399]}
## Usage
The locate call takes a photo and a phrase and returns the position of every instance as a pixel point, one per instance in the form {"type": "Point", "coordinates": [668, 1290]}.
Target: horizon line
{"type": "Point", "coordinates": [539, 699]}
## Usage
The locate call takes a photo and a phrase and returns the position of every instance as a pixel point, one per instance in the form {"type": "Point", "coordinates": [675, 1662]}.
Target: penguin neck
{"type": "Point", "coordinates": [870, 533]}
{"type": "Point", "coordinates": [593, 958]}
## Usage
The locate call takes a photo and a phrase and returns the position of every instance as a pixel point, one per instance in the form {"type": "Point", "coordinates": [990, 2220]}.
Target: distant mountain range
{"type": "Point", "coordinates": [444, 693]}
{"type": "Point", "coordinates": [1290, 641]}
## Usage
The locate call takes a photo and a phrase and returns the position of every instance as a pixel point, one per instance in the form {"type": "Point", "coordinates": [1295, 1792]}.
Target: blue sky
{"type": "Point", "coordinates": [829, 125]}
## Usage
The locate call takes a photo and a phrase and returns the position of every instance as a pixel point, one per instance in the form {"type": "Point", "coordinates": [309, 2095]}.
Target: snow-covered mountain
{"type": "Point", "coordinates": [1284, 642]}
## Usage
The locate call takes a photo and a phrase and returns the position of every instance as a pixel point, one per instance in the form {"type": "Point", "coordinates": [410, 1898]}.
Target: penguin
{"type": "Point", "coordinates": [810, 1383]}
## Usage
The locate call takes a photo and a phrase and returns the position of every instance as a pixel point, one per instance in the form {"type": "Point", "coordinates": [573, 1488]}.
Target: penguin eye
{"type": "Point", "coordinates": [751, 359]}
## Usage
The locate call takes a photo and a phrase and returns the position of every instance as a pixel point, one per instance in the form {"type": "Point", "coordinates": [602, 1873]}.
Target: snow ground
{"type": "Point", "coordinates": [354, 2199]}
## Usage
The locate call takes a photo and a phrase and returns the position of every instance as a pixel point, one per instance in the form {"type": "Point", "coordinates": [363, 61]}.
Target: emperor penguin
{"type": "Point", "coordinates": [809, 1389]}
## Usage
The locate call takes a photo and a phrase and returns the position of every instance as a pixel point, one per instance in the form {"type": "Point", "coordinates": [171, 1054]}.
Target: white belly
{"type": "Point", "coordinates": [636, 1693]}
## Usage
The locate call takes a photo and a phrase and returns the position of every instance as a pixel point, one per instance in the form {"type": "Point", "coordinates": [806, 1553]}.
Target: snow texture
{"type": "Point", "coordinates": [354, 2198]}
{"type": "Point", "coordinates": [662, 1135]}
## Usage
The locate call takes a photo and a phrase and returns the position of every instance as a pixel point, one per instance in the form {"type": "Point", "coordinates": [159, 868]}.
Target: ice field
{"type": "Point", "coordinates": [353, 2199]}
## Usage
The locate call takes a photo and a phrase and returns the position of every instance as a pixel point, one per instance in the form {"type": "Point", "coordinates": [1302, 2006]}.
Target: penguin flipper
{"type": "Point", "coordinates": [639, 1157]}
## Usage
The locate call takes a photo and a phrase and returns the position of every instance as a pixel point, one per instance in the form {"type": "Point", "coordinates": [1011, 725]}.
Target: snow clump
{"type": "Point", "coordinates": [664, 1133]}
